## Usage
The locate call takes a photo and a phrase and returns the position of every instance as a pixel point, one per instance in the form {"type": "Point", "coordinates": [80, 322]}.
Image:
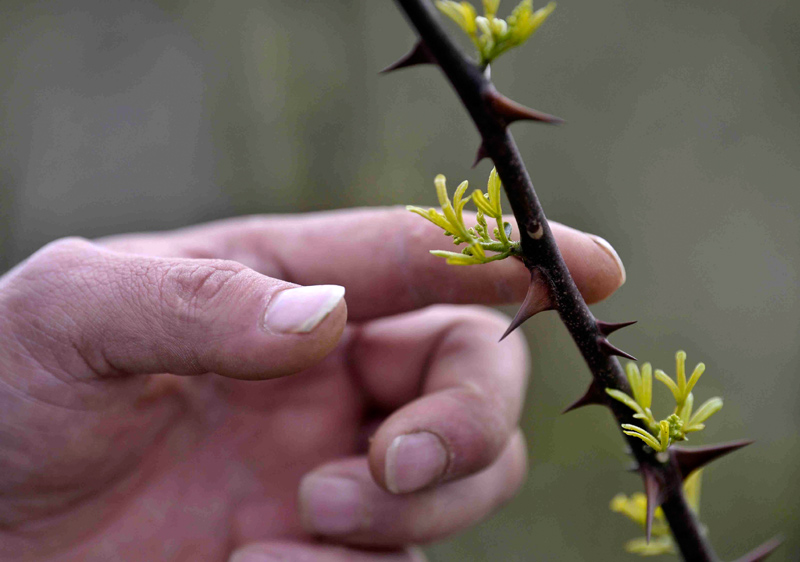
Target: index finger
{"type": "Point", "coordinates": [379, 255]}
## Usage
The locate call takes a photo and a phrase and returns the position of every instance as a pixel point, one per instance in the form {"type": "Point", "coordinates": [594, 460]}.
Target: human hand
{"type": "Point", "coordinates": [105, 456]}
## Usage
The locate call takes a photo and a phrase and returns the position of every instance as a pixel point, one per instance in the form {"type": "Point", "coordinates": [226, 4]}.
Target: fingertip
{"type": "Point", "coordinates": [290, 352]}
{"type": "Point", "coordinates": [306, 349]}
{"type": "Point", "coordinates": [299, 310]}
{"type": "Point", "coordinates": [610, 272]}
{"type": "Point", "coordinates": [311, 330]}
{"type": "Point", "coordinates": [285, 329]}
{"type": "Point", "coordinates": [415, 461]}
{"type": "Point", "coordinates": [612, 253]}
{"type": "Point", "coordinates": [332, 504]}
{"type": "Point", "coordinates": [595, 265]}
{"type": "Point", "coordinates": [439, 438]}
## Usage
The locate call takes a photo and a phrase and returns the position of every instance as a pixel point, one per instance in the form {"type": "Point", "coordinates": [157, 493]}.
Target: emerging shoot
{"type": "Point", "coordinates": [491, 35]}
{"type": "Point", "coordinates": [659, 435]}
{"type": "Point", "coordinates": [477, 238]}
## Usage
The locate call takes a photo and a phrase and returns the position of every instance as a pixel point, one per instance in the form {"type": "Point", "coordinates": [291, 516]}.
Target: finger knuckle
{"type": "Point", "coordinates": [54, 273]}
{"type": "Point", "coordinates": [70, 246]}
{"type": "Point", "coordinates": [63, 255]}
{"type": "Point", "coordinates": [52, 289]}
{"type": "Point", "coordinates": [490, 426]}
{"type": "Point", "coordinates": [490, 323]}
{"type": "Point", "coordinates": [485, 316]}
{"type": "Point", "coordinates": [191, 289]}
{"type": "Point", "coordinates": [470, 313]}
{"type": "Point", "coordinates": [473, 319]}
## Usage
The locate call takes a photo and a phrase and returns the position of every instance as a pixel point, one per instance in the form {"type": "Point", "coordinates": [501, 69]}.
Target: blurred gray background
{"type": "Point", "coordinates": [681, 148]}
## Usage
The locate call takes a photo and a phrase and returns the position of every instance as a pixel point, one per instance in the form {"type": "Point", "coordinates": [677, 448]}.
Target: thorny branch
{"type": "Point", "coordinates": [492, 113]}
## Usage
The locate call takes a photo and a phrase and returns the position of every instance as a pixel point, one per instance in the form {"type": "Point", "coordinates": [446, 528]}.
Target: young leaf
{"type": "Point", "coordinates": [699, 370]}
{"type": "Point", "coordinates": [460, 12]}
{"type": "Point", "coordinates": [625, 399]}
{"type": "Point", "coordinates": [663, 377]}
{"type": "Point", "coordinates": [636, 431]}
{"type": "Point", "coordinates": [708, 409]}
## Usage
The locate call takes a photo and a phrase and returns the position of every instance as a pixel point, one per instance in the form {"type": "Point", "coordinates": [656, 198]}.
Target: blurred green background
{"type": "Point", "coordinates": [681, 148]}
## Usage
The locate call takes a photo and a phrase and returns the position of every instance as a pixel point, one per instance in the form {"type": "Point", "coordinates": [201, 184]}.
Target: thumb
{"type": "Point", "coordinates": [104, 313]}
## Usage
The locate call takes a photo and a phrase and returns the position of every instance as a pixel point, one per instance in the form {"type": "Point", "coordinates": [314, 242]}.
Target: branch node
{"type": "Point", "coordinates": [534, 229]}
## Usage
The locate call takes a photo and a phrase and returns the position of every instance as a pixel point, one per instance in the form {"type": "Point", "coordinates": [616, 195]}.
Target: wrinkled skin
{"type": "Point", "coordinates": [241, 452]}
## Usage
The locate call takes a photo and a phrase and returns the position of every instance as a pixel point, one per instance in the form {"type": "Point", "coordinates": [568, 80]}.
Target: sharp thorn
{"type": "Point", "coordinates": [653, 493]}
{"type": "Point", "coordinates": [609, 349]}
{"type": "Point", "coordinates": [511, 111]}
{"type": "Point", "coordinates": [419, 54]}
{"type": "Point", "coordinates": [530, 306]}
{"type": "Point", "coordinates": [608, 328]}
{"type": "Point", "coordinates": [690, 459]}
{"type": "Point", "coordinates": [537, 299]}
{"type": "Point", "coordinates": [760, 553]}
{"type": "Point", "coordinates": [480, 155]}
{"type": "Point", "coordinates": [593, 395]}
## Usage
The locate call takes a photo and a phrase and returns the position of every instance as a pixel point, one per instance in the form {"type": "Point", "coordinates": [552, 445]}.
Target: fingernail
{"type": "Point", "coordinates": [300, 310]}
{"type": "Point", "coordinates": [609, 249]}
{"type": "Point", "coordinates": [251, 555]}
{"type": "Point", "coordinates": [414, 461]}
{"type": "Point", "coordinates": [332, 505]}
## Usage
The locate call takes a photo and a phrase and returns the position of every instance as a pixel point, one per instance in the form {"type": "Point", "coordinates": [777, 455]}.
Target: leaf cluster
{"type": "Point", "coordinates": [477, 238]}
{"type": "Point", "coordinates": [491, 35]}
{"type": "Point", "coordinates": [659, 435]}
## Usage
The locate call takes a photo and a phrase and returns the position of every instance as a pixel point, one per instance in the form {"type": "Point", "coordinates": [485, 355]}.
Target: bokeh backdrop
{"type": "Point", "coordinates": [681, 148]}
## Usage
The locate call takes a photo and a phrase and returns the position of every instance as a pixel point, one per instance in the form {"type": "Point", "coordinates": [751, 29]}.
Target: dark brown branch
{"type": "Point", "coordinates": [540, 253]}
